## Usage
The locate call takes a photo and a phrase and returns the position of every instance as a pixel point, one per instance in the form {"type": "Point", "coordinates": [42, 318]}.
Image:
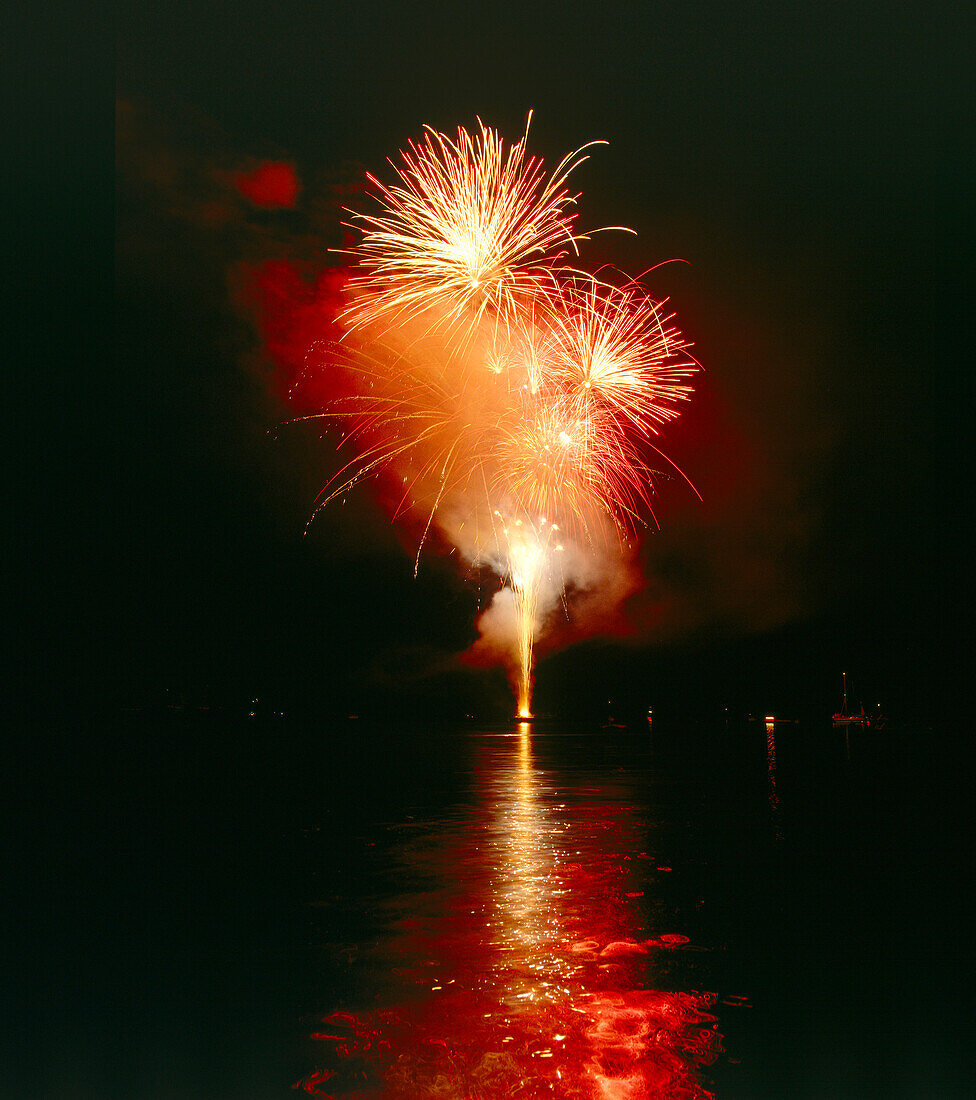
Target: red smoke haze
{"type": "Point", "coordinates": [272, 183]}
{"type": "Point", "coordinates": [295, 310]}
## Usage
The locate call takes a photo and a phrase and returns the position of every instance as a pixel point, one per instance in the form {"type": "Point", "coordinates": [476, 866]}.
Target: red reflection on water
{"type": "Point", "coordinates": [311, 1082]}
{"type": "Point", "coordinates": [533, 974]}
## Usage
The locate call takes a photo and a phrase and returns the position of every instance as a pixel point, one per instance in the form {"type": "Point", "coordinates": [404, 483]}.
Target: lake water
{"type": "Point", "coordinates": [680, 910]}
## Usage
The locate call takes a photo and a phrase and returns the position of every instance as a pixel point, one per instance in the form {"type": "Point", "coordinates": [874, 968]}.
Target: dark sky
{"type": "Point", "coordinates": [814, 166]}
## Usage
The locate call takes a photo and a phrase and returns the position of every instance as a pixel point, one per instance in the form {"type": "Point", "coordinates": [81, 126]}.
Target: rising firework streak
{"type": "Point", "coordinates": [514, 398]}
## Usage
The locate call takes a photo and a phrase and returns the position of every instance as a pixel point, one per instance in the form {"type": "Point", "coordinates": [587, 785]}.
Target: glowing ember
{"type": "Point", "coordinates": [510, 397]}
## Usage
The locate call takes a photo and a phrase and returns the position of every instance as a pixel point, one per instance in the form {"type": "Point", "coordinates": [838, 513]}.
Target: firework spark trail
{"type": "Point", "coordinates": [512, 397]}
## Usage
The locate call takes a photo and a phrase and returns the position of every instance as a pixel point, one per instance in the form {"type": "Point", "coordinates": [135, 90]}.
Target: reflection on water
{"type": "Point", "coordinates": [771, 773]}
{"type": "Point", "coordinates": [518, 956]}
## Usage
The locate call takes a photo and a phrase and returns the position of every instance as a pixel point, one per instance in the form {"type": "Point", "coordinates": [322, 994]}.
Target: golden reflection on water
{"type": "Point", "coordinates": [525, 868]}
{"type": "Point", "coordinates": [527, 891]}
{"type": "Point", "coordinates": [771, 776]}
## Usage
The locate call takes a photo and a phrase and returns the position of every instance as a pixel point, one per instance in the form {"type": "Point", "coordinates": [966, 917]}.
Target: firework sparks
{"type": "Point", "coordinates": [469, 232]}
{"type": "Point", "coordinates": [511, 397]}
{"type": "Point", "coordinates": [617, 350]}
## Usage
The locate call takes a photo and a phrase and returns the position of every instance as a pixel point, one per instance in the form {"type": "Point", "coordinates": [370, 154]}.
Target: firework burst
{"type": "Point", "coordinates": [470, 231]}
{"type": "Point", "coordinates": [616, 350]}
{"type": "Point", "coordinates": [509, 398]}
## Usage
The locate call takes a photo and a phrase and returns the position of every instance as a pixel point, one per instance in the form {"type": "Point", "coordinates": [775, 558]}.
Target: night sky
{"type": "Point", "coordinates": [812, 165]}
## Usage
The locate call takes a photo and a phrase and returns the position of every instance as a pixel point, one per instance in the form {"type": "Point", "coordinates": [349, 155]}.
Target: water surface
{"type": "Point", "coordinates": [520, 940]}
{"type": "Point", "coordinates": [367, 910]}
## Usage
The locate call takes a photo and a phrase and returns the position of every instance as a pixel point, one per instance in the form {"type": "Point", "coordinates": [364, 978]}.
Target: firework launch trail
{"type": "Point", "coordinates": [511, 398]}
